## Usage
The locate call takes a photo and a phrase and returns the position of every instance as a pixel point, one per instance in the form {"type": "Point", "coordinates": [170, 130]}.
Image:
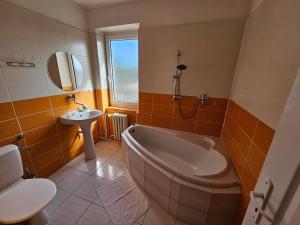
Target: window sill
{"type": "Point", "coordinates": [115, 109]}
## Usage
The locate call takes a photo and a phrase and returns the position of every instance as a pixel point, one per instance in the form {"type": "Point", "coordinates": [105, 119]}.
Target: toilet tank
{"type": "Point", "coordinates": [11, 169]}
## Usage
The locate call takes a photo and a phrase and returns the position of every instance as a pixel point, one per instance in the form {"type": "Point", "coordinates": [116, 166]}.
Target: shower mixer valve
{"type": "Point", "coordinates": [203, 99]}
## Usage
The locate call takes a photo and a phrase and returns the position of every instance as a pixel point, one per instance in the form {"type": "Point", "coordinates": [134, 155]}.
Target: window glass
{"type": "Point", "coordinates": [124, 70]}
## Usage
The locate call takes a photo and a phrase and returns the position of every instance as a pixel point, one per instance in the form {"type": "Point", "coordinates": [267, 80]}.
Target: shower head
{"type": "Point", "coordinates": [181, 67]}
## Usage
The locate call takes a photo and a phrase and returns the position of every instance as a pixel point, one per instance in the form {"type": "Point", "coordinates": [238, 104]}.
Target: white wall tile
{"type": "Point", "coordinates": [209, 49]}
{"type": "Point", "coordinates": [4, 96]}
{"type": "Point", "coordinates": [25, 33]}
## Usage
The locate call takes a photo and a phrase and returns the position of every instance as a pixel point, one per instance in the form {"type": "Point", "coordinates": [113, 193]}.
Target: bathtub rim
{"type": "Point", "coordinates": [210, 182]}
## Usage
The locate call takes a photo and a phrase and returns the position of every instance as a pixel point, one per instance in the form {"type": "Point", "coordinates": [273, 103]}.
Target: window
{"type": "Point", "coordinates": [122, 58]}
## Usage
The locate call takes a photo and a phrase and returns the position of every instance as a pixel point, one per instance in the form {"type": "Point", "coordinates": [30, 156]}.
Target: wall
{"type": "Point", "coordinates": [247, 140]}
{"type": "Point", "coordinates": [270, 55]}
{"type": "Point", "coordinates": [29, 102]}
{"type": "Point", "coordinates": [267, 66]}
{"type": "Point", "coordinates": [65, 11]}
{"type": "Point", "coordinates": [167, 12]}
{"type": "Point", "coordinates": [210, 50]}
{"type": "Point", "coordinates": [204, 46]}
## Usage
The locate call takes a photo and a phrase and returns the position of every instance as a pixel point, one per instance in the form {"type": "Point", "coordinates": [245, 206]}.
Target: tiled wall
{"type": "Point", "coordinates": [29, 101]}
{"type": "Point", "coordinates": [247, 140]}
{"type": "Point", "coordinates": [51, 143]}
{"type": "Point", "coordinates": [269, 59]}
{"type": "Point", "coordinates": [209, 49]}
{"type": "Point", "coordinates": [161, 110]}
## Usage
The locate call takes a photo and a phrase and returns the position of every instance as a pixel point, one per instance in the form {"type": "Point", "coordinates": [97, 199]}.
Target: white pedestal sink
{"type": "Point", "coordinates": [84, 119]}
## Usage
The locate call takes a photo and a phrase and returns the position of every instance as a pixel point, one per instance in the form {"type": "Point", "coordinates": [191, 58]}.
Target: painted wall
{"type": "Point", "coordinates": [267, 65]}
{"type": "Point", "coordinates": [167, 12]}
{"type": "Point", "coordinates": [29, 102]}
{"type": "Point", "coordinates": [64, 11]}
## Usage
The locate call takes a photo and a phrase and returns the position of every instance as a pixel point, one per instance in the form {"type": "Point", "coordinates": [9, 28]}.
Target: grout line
{"type": "Point", "coordinates": [45, 125]}
{"type": "Point", "coordinates": [15, 118]}
{"type": "Point", "coordinates": [44, 153]}
{"type": "Point", "coordinates": [33, 114]}
{"type": "Point", "coordinates": [76, 222]}
{"type": "Point", "coordinates": [20, 128]}
{"type": "Point", "coordinates": [252, 140]}
{"type": "Point", "coordinates": [43, 140]}
{"type": "Point", "coordinates": [4, 139]}
{"type": "Point", "coordinates": [57, 132]}
{"type": "Point", "coordinates": [60, 203]}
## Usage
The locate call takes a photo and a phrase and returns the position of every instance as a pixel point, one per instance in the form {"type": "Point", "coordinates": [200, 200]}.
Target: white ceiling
{"type": "Point", "coordinates": [92, 4]}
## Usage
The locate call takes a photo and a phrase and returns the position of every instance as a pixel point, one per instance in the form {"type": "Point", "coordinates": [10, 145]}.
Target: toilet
{"type": "Point", "coordinates": [21, 201]}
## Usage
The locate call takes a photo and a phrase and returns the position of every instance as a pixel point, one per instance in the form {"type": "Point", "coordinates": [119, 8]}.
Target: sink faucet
{"type": "Point", "coordinates": [73, 97]}
{"type": "Point", "coordinates": [84, 107]}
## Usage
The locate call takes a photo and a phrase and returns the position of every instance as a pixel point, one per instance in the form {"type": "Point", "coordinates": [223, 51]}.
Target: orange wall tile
{"type": "Point", "coordinates": [161, 121]}
{"type": "Point", "coordinates": [39, 134]}
{"type": "Point", "coordinates": [51, 143]}
{"type": "Point", "coordinates": [9, 128]}
{"type": "Point", "coordinates": [36, 120]}
{"type": "Point", "coordinates": [30, 106]}
{"type": "Point", "coordinates": [263, 136]}
{"type": "Point", "coordinates": [145, 97]}
{"type": "Point", "coordinates": [247, 140]}
{"type": "Point", "coordinates": [162, 111]}
{"type": "Point", "coordinates": [7, 111]}
{"type": "Point", "coordinates": [43, 146]}
{"type": "Point", "coordinates": [184, 124]}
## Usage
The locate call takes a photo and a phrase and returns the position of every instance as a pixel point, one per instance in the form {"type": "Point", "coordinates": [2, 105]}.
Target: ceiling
{"type": "Point", "coordinates": [92, 4]}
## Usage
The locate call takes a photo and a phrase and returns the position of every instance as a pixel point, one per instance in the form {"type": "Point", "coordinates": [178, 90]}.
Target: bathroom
{"type": "Point", "coordinates": [202, 129]}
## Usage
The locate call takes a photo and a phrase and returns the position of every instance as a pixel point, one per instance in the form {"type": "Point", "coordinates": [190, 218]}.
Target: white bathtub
{"type": "Point", "coordinates": [184, 173]}
{"type": "Point", "coordinates": [193, 162]}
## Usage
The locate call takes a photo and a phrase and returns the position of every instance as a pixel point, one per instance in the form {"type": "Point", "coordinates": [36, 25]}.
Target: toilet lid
{"type": "Point", "coordinates": [22, 200]}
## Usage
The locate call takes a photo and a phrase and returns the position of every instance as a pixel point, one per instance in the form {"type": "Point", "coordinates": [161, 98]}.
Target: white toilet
{"type": "Point", "coordinates": [21, 200]}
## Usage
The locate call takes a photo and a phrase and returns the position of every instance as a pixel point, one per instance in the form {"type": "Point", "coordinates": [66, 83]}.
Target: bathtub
{"type": "Point", "coordinates": [188, 175]}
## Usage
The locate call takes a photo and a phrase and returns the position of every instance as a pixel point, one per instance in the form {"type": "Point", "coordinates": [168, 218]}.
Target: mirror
{"type": "Point", "coordinates": [65, 71]}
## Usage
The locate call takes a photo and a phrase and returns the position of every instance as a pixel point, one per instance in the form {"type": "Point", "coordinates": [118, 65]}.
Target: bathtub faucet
{"type": "Point", "coordinates": [203, 99]}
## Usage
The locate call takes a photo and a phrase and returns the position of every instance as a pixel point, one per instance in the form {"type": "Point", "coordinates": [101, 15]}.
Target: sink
{"type": "Point", "coordinates": [84, 119]}
{"type": "Point", "coordinates": [80, 118]}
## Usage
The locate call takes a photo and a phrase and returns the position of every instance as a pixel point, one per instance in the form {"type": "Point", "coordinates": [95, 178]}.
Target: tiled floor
{"type": "Point", "coordinates": [77, 202]}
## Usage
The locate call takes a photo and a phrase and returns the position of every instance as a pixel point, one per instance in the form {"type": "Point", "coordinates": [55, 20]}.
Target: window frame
{"type": "Point", "coordinates": [129, 35]}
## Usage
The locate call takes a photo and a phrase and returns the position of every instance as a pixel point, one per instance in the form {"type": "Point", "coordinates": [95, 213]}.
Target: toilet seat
{"type": "Point", "coordinates": [24, 199]}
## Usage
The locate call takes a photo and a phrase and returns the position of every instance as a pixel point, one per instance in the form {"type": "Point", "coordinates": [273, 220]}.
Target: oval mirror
{"type": "Point", "coordinates": [65, 71]}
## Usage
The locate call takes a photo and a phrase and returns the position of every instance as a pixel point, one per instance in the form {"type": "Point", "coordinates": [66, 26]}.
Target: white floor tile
{"type": "Point", "coordinates": [60, 197]}
{"type": "Point", "coordinates": [77, 161]}
{"type": "Point", "coordinates": [89, 166]}
{"type": "Point", "coordinates": [69, 212]}
{"type": "Point", "coordinates": [95, 215]}
{"type": "Point", "coordinates": [87, 190]}
{"type": "Point", "coordinates": [141, 219]}
{"type": "Point", "coordinates": [122, 172]}
{"type": "Point", "coordinates": [73, 181]}
{"type": "Point", "coordinates": [97, 201]}
{"type": "Point", "coordinates": [59, 175]}
{"type": "Point", "coordinates": [158, 216]}
{"type": "Point", "coordinates": [107, 171]}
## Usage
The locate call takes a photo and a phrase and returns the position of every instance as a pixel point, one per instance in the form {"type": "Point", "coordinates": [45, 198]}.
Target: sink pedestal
{"type": "Point", "coordinates": [89, 148]}
{"type": "Point", "coordinates": [84, 119]}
